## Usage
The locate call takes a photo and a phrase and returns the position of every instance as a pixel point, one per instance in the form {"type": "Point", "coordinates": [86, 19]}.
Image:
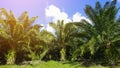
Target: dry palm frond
{"type": "Point", "coordinates": [23, 16]}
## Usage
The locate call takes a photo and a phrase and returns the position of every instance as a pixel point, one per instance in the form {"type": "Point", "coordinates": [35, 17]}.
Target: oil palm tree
{"type": "Point", "coordinates": [63, 34]}
{"type": "Point", "coordinates": [15, 32]}
{"type": "Point", "coordinates": [101, 38]}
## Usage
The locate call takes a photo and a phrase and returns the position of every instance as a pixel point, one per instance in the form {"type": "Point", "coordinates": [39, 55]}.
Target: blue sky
{"type": "Point", "coordinates": [38, 8]}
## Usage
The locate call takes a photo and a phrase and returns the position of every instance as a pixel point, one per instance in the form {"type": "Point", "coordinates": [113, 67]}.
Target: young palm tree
{"type": "Point", "coordinates": [101, 38]}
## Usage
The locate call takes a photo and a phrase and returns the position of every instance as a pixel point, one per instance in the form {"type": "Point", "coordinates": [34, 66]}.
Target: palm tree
{"type": "Point", "coordinates": [39, 43]}
{"type": "Point", "coordinates": [7, 25]}
{"type": "Point", "coordinates": [62, 36]}
{"type": "Point", "coordinates": [101, 38]}
{"type": "Point", "coordinates": [16, 34]}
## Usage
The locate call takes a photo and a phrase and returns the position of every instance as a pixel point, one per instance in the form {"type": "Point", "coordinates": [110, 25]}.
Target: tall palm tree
{"type": "Point", "coordinates": [101, 38]}
{"type": "Point", "coordinates": [62, 36]}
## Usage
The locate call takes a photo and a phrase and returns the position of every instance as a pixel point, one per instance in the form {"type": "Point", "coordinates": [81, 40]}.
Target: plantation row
{"type": "Point", "coordinates": [99, 42]}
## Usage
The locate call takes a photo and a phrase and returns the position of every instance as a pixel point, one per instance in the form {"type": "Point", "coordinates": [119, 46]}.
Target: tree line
{"type": "Point", "coordinates": [98, 42]}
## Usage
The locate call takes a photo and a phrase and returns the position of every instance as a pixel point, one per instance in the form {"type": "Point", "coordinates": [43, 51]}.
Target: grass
{"type": "Point", "coordinates": [51, 64]}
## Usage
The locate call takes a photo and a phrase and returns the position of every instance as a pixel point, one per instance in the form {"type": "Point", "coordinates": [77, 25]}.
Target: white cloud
{"type": "Point", "coordinates": [50, 29]}
{"type": "Point", "coordinates": [56, 14]}
{"type": "Point", "coordinates": [42, 27]}
{"type": "Point", "coordinates": [77, 17]}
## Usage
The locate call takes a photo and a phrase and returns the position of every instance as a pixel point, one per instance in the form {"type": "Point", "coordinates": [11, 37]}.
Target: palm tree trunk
{"type": "Point", "coordinates": [63, 53]}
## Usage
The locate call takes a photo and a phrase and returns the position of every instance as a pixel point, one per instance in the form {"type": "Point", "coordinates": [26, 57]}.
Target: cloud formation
{"type": "Point", "coordinates": [77, 17]}
{"type": "Point", "coordinates": [50, 29]}
{"type": "Point", "coordinates": [56, 14]}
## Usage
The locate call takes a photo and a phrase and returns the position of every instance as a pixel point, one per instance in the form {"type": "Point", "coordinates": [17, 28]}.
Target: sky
{"type": "Point", "coordinates": [51, 10]}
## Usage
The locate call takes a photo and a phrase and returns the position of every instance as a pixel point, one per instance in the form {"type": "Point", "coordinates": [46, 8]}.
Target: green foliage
{"type": "Point", "coordinates": [98, 37]}
{"type": "Point", "coordinates": [20, 35]}
{"type": "Point", "coordinates": [54, 64]}
{"type": "Point", "coordinates": [11, 57]}
{"type": "Point", "coordinates": [96, 41]}
{"type": "Point", "coordinates": [62, 38]}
